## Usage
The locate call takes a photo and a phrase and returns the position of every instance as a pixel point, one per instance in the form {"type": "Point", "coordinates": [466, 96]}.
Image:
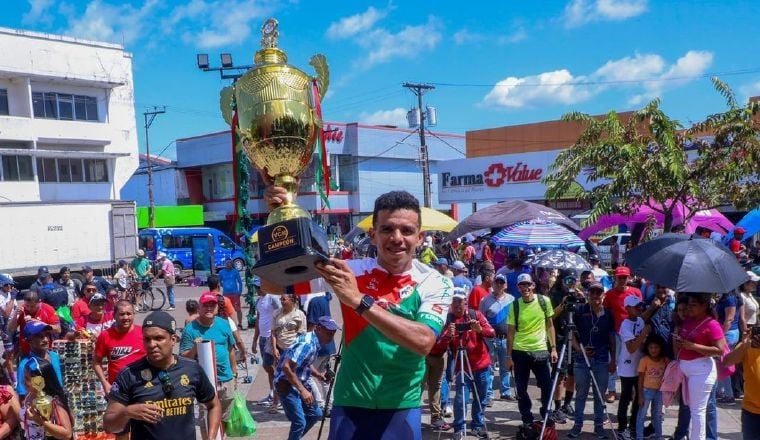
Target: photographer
{"type": "Point", "coordinates": [747, 352]}
{"type": "Point", "coordinates": [468, 329]}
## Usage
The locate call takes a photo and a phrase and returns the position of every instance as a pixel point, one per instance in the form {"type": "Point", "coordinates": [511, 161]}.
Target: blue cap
{"type": "Point", "coordinates": [328, 323]}
{"type": "Point", "coordinates": [442, 262]}
{"type": "Point", "coordinates": [6, 280]}
{"type": "Point", "coordinates": [35, 327]}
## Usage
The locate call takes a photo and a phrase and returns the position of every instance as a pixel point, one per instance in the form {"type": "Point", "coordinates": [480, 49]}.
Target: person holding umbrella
{"type": "Point", "coordinates": [698, 341]}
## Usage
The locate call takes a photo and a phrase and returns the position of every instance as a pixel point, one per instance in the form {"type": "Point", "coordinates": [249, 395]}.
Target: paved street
{"type": "Point", "coordinates": [502, 419]}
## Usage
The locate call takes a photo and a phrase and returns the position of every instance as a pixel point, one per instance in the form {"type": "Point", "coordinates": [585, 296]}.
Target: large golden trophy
{"type": "Point", "coordinates": [278, 127]}
{"type": "Point", "coordinates": [43, 403]}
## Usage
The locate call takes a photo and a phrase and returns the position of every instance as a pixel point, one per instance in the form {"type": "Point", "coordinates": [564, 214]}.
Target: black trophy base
{"type": "Point", "coordinates": [288, 251]}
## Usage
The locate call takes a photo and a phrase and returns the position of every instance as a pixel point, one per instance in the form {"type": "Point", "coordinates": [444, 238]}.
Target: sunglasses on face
{"type": "Point", "coordinates": [525, 285]}
{"type": "Point", "coordinates": [91, 290]}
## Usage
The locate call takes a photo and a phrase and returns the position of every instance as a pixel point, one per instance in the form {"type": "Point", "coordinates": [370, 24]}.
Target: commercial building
{"type": "Point", "coordinates": [67, 117]}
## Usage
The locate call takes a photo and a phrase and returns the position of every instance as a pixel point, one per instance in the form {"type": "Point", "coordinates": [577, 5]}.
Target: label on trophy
{"type": "Point", "coordinates": [281, 238]}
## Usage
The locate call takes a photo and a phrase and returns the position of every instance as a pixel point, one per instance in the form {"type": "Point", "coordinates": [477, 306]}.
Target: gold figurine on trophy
{"type": "Point", "coordinates": [278, 124]}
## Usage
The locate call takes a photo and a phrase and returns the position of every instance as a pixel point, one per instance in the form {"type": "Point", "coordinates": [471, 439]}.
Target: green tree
{"type": "Point", "coordinates": [649, 159]}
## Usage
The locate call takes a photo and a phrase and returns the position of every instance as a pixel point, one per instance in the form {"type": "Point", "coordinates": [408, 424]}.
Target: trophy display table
{"type": "Point", "coordinates": [87, 399]}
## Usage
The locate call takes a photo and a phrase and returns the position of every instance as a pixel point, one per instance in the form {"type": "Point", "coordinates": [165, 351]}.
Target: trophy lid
{"type": "Point", "coordinates": [270, 53]}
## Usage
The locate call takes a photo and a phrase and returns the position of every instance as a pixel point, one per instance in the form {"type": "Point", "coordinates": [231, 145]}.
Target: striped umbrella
{"type": "Point", "coordinates": [536, 233]}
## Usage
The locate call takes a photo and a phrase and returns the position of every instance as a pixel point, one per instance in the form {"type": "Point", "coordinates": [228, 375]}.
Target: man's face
{"type": "Point", "coordinates": [65, 276]}
{"type": "Point", "coordinates": [31, 306]}
{"type": "Point", "coordinates": [487, 275]}
{"type": "Point", "coordinates": [7, 288]}
{"type": "Point", "coordinates": [97, 307]}
{"type": "Point", "coordinates": [396, 235]}
{"type": "Point", "coordinates": [89, 291]}
{"type": "Point", "coordinates": [208, 310]}
{"type": "Point", "coordinates": [324, 335]}
{"type": "Point", "coordinates": [661, 292]}
{"type": "Point", "coordinates": [635, 311]}
{"type": "Point", "coordinates": [40, 341]}
{"type": "Point", "coordinates": [89, 276]}
{"type": "Point", "coordinates": [158, 344]}
{"type": "Point", "coordinates": [125, 317]}
{"type": "Point", "coordinates": [499, 285]}
{"type": "Point", "coordinates": [526, 288]}
{"type": "Point", "coordinates": [457, 306]}
{"type": "Point", "coordinates": [595, 297]}
{"type": "Point", "coordinates": [621, 282]}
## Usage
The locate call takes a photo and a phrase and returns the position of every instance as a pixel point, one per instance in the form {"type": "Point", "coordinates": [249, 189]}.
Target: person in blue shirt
{"type": "Point", "coordinates": [318, 307]}
{"type": "Point", "coordinates": [460, 276]}
{"type": "Point", "coordinates": [232, 288]}
{"type": "Point", "coordinates": [38, 334]}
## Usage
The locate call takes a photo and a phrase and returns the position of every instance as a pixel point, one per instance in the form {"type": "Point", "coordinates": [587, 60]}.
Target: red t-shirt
{"type": "Point", "coordinates": [613, 300]}
{"type": "Point", "coordinates": [120, 349]}
{"type": "Point", "coordinates": [44, 313]}
{"type": "Point", "coordinates": [80, 308]}
{"type": "Point", "coordinates": [476, 296]}
{"type": "Point", "coordinates": [703, 332]}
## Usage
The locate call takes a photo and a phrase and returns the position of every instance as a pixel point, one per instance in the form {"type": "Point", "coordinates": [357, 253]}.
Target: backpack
{"type": "Point", "coordinates": [533, 431]}
{"type": "Point", "coordinates": [541, 302]}
{"type": "Point", "coordinates": [54, 294]}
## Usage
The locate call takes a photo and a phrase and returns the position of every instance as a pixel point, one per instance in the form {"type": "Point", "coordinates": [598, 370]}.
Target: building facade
{"type": "Point", "coordinates": [365, 161]}
{"type": "Point", "coordinates": [67, 119]}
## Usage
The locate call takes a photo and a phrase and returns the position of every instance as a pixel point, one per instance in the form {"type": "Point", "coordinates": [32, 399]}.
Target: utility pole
{"type": "Point", "coordinates": [419, 90]}
{"type": "Point", "coordinates": [151, 202]}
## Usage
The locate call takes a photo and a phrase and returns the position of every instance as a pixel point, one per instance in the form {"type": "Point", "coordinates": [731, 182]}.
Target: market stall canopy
{"type": "Point", "coordinates": [432, 220]}
{"type": "Point", "coordinates": [711, 219]}
{"type": "Point", "coordinates": [508, 213]}
{"type": "Point", "coordinates": [536, 233]}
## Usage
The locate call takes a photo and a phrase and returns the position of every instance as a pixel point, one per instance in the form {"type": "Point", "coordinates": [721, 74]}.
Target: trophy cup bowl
{"type": "Point", "coordinates": [43, 403]}
{"type": "Point", "coordinates": [278, 126]}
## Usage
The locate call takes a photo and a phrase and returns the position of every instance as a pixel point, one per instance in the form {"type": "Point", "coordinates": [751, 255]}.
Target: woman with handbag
{"type": "Point", "coordinates": [698, 341]}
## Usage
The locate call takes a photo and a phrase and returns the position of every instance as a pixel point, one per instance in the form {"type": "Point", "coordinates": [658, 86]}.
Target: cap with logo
{"type": "Point", "coordinates": [208, 297]}
{"type": "Point", "coordinates": [632, 301]}
{"type": "Point", "coordinates": [328, 323]}
{"type": "Point", "coordinates": [459, 293]}
{"type": "Point", "coordinates": [43, 271]}
{"type": "Point", "coordinates": [162, 320]}
{"type": "Point", "coordinates": [98, 297]}
{"type": "Point", "coordinates": [34, 327]}
{"type": "Point", "coordinates": [622, 271]}
{"type": "Point", "coordinates": [524, 278]}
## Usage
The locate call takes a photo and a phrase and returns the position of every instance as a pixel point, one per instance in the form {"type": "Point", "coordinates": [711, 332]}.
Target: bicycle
{"type": "Point", "coordinates": [153, 298]}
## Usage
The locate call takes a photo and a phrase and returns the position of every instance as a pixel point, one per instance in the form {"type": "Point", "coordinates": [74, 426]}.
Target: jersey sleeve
{"type": "Point", "coordinates": [100, 345]}
{"type": "Point", "coordinates": [205, 391]}
{"type": "Point", "coordinates": [549, 311]}
{"type": "Point", "coordinates": [186, 343]}
{"type": "Point", "coordinates": [435, 298]}
{"type": "Point", "coordinates": [121, 388]}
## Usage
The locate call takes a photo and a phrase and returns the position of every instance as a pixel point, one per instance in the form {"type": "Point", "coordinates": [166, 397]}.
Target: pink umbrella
{"type": "Point", "coordinates": [710, 219]}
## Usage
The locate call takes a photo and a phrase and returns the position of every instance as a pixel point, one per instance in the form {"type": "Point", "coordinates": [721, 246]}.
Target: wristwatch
{"type": "Point", "coordinates": [364, 304]}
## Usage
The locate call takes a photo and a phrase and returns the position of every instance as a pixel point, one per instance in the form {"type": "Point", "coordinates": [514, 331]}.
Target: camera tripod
{"type": "Point", "coordinates": [570, 331]}
{"type": "Point", "coordinates": [330, 376]}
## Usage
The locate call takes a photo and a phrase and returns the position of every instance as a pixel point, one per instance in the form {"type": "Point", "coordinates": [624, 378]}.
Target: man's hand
{"type": "Point", "coordinates": [338, 275]}
{"type": "Point", "coordinates": [34, 415]}
{"type": "Point", "coordinates": [613, 367]}
{"type": "Point", "coordinates": [254, 348]}
{"type": "Point", "coordinates": [146, 412]}
{"type": "Point", "coordinates": [452, 329]}
{"type": "Point", "coordinates": [554, 356]}
{"type": "Point", "coordinates": [307, 397]}
{"type": "Point", "coordinates": [107, 389]}
{"type": "Point", "coordinates": [656, 302]}
{"type": "Point", "coordinates": [475, 326]}
{"type": "Point", "coordinates": [509, 364]}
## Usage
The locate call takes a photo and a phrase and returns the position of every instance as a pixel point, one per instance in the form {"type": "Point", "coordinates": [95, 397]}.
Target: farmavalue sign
{"type": "Point", "coordinates": [495, 178]}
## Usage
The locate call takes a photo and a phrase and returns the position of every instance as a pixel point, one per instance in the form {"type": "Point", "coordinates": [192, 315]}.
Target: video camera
{"type": "Point", "coordinates": [463, 327]}
{"type": "Point", "coordinates": [573, 303]}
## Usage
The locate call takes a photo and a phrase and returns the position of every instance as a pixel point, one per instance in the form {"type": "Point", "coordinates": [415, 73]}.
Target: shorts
{"type": "Point", "coordinates": [267, 359]}
{"type": "Point", "coordinates": [235, 300]}
{"type": "Point", "coordinates": [365, 423]}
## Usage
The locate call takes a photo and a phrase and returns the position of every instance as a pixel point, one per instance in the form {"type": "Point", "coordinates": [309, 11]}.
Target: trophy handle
{"type": "Point", "coordinates": [319, 63]}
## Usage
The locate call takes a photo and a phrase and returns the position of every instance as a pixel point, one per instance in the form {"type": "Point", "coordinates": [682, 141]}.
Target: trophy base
{"type": "Point", "coordinates": [288, 251]}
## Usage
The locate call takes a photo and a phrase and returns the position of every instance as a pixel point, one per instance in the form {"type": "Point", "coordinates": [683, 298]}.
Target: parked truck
{"type": "Point", "coordinates": [73, 234]}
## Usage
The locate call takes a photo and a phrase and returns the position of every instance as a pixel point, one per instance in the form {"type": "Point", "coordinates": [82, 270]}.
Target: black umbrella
{"type": "Point", "coordinates": [687, 263]}
{"type": "Point", "coordinates": [508, 213]}
{"type": "Point", "coordinates": [559, 259]}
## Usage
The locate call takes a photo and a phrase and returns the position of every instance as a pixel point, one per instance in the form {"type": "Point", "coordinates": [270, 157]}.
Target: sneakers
{"type": "Point", "coordinates": [508, 398]}
{"type": "Point", "coordinates": [459, 435]}
{"type": "Point", "coordinates": [568, 410]}
{"type": "Point", "coordinates": [601, 434]}
{"type": "Point", "coordinates": [480, 432]}
{"type": "Point", "coordinates": [274, 409]}
{"type": "Point", "coordinates": [624, 435]}
{"type": "Point", "coordinates": [489, 402]}
{"type": "Point", "coordinates": [265, 401]}
{"type": "Point", "coordinates": [558, 417]}
{"type": "Point", "coordinates": [440, 425]}
{"type": "Point", "coordinates": [728, 401]}
{"type": "Point", "coordinates": [171, 309]}
{"type": "Point", "coordinates": [448, 410]}
{"type": "Point", "coordinates": [575, 432]}
{"type": "Point", "coordinates": [648, 431]}
{"type": "Point", "coordinates": [611, 397]}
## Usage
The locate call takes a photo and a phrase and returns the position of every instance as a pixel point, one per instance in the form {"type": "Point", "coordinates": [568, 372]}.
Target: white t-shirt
{"type": "Point", "coordinates": [266, 306]}
{"type": "Point", "coordinates": [750, 308]}
{"type": "Point", "coordinates": [628, 363]}
{"type": "Point", "coordinates": [599, 273]}
{"type": "Point", "coordinates": [122, 277]}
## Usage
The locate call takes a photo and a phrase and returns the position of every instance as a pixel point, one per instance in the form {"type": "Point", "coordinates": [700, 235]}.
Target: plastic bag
{"type": "Point", "coordinates": [241, 423]}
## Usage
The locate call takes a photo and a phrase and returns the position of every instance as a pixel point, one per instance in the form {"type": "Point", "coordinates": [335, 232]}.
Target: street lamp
{"type": "Point", "coordinates": [227, 66]}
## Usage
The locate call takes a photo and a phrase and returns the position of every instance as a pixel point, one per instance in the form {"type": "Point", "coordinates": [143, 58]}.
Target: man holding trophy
{"type": "Point", "coordinates": [393, 306]}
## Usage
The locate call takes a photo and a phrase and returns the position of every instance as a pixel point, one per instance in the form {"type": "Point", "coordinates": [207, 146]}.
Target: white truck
{"type": "Point", "coordinates": [73, 234]}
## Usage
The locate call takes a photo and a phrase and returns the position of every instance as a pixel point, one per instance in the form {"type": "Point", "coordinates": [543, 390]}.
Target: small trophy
{"type": "Point", "coordinates": [43, 403]}
{"type": "Point", "coordinates": [278, 128]}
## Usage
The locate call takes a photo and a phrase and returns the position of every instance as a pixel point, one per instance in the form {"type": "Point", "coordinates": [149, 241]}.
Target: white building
{"type": "Point", "coordinates": [67, 120]}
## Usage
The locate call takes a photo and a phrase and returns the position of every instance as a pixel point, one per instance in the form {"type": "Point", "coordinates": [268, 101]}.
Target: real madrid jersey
{"type": "Point", "coordinates": [375, 371]}
{"type": "Point", "coordinates": [139, 383]}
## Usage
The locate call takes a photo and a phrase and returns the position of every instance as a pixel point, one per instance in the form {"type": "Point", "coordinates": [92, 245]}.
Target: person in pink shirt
{"type": "Point", "coordinates": [699, 340]}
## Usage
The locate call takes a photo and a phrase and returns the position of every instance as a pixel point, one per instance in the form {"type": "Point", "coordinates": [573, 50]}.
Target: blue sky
{"type": "Point", "coordinates": [493, 63]}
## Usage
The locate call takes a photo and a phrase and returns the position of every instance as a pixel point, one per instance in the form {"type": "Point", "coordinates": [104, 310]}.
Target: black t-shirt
{"type": "Point", "coordinates": [139, 383]}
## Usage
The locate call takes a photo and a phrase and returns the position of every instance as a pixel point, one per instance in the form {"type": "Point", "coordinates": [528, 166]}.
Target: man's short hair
{"type": "Point", "coordinates": [395, 200]}
{"type": "Point", "coordinates": [213, 282]}
{"type": "Point", "coordinates": [123, 303]}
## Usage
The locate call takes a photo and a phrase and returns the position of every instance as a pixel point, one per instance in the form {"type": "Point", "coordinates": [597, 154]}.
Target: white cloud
{"type": "Point", "coordinates": [353, 25]}
{"type": "Point", "coordinates": [750, 90]}
{"type": "Point", "coordinates": [579, 12]}
{"type": "Point", "coordinates": [647, 75]}
{"type": "Point", "coordinates": [217, 23]}
{"type": "Point", "coordinates": [518, 35]}
{"type": "Point", "coordinates": [396, 117]}
{"type": "Point", "coordinates": [464, 36]}
{"type": "Point", "coordinates": [105, 22]}
{"type": "Point", "coordinates": [38, 12]}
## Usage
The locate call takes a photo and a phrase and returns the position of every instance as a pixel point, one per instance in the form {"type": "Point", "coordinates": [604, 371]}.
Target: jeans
{"type": "Point", "coordinates": [629, 394]}
{"type": "Point", "coordinates": [684, 417]}
{"type": "Point", "coordinates": [477, 384]}
{"type": "Point", "coordinates": [725, 386]}
{"type": "Point", "coordinates": [523, 365]}
{"type": "Point", "coordinates": [750, 425]}
{"type": "Point", "coordinates": [433, 375]}
{"type": "Point", "coordinates": [170, 294]}
{"type": "Point", "coordinates": [701, 375]}
{"type": "Point", "coordinates": [652, 398]}
{"type": "Point", "coordinates": [612, 381]}
{"type": "Point", "coordinates": [499, 351]}
{"type": "Point", "coordinates": [302, 416]}
{"type": "Point", "coordinates": [582, 374]}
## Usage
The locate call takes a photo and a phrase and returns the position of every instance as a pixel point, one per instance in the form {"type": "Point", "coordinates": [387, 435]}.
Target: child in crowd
{"type": "Point", "coordinates": [633, 333]}
{"type": "Point", "coordinates": [651, 370]}
{"type": "Point", "coordinates": [191, 306]}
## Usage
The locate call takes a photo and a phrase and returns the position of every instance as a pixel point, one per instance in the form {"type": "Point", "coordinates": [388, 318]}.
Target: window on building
{"type": "Point", "coordinates": [65, 106]}
{"type": "Point", "coordinates": [95, 170]}
{"type": "Point", "coordinates": [17, 168]}
{"type": "Point", "coordinates": [46, 170]}
{"type": "Point", "coordinates": [62, 170]}
{"type": "Point", "coordinates": [4, 102]}
{"type": "Point", "coordinates": [346, 172]}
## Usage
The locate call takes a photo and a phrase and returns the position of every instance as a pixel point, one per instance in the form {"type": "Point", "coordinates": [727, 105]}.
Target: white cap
{"type": "Point", "coordinates": [458, 265]}
{"type": "Point", "coordinates": [524, 278]}
{"type": "Point", "coordinates": [752, 276]}
{"type": "Point", "coordinates": [632, 301]}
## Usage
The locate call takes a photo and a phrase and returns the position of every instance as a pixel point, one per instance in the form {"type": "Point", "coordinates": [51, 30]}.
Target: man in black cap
{"type": "Point", "coordinates": [156, 395]}
{"type": "Point", "coordinates": [42, 275]}
{"type": "Point", "coordinates": [99, 282]}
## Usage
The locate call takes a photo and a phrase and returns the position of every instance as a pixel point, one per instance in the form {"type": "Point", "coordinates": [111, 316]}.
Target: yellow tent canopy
{"type": "Point", "coordinates": [432, 220]}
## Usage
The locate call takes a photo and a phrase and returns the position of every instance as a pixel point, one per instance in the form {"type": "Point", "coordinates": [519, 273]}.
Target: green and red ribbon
{"type": "Point", "coordinates": [322, 173]}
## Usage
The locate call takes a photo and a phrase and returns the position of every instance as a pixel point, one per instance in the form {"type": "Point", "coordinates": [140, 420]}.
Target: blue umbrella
{"type": "Point", "coordinates": [750, 222]}
{"type": "Point", "coordinates": [536, 233]}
